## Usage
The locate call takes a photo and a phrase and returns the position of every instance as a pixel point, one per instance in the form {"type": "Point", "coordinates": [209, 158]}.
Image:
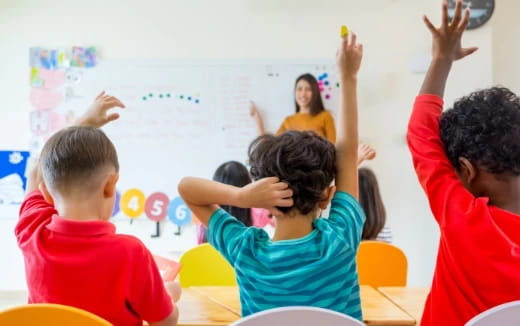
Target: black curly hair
{"type": "Point", "coordinates": [484, 127]}
{"type": "Point", "coordinates": [306, 161]}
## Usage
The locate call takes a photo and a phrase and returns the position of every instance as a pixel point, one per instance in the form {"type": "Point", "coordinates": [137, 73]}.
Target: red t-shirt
{"type": "Point", "coordinates": [86, 265]}
{"type": "Point", "coordinates": [478, 262]}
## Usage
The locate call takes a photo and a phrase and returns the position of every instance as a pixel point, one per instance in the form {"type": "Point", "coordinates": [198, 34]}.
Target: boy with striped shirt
{"type": "Point", "coordinates": [309, 261]}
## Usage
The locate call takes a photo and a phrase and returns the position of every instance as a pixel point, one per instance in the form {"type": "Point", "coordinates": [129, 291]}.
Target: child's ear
{"type": "Point", "coordinates": [468, 171]}
{"type": "Point", "coordinates": [45, 192]}
{"type": "Point", "coordinates": [110, 185]}
{"type": "Point", "coordinates": [327, 195]}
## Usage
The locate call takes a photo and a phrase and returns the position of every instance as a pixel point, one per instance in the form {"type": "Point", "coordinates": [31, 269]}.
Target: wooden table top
{"type": "Point", "coordinates": [410, 299]}
{"type": "Point", "coordinates": [377, 309]}
{"type": "Point", "coordinates": [196, 309]}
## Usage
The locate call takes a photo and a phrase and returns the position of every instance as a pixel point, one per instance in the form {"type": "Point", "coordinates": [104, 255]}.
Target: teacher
{"type": "Point", "coordinates": [310, 113]}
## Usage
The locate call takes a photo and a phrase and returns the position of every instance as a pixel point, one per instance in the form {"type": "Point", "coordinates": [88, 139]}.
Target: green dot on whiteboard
{"type": "Point", "coordinates": [182, 96]}
{"type": "Point", "coordinates": [150, 95]}
{"type": "Point", "coordinates": [160, 96]}
{"type": "Point", "coordinates": [144, 98]}
{"type": "Point", "coordinates": [168, 95]}
{"type": "Point", "coordinates": [337, 84]}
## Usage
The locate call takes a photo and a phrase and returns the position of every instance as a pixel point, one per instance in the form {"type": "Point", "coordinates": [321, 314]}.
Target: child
{"type": "Point", "coordinates": [309, 261]}
{"type": "Point", "coordinates": [72, 255]}
{"type": "Point", "coordinates": [468, 162]}
{"type": "Point", "coordinates": [236, 174]}
{"type": "Point", "coordinates": [370, 200]}
{"type": "Point", "coordinates": [310, 112]}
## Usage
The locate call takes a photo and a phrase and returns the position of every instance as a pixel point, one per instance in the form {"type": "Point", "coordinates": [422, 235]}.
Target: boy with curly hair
{"type": "Point", "coordinates": [309, 261]}
{"type": "Point", "coordinates": [467, 160]}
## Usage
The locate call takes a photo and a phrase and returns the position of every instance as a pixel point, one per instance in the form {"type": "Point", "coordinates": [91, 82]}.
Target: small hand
{"type": "Point", "coordinates": [97, 114]}
{"type": "Point", "coordinates": [365, 153]}
{"type": "Point", "coordinates": [349, 55]}
{"type": "Point", "coordinates": [447, 38]}
{"type": "Point", "coordinates": [253, 111]}
{"type": "Point", "coordinates": [267, 193]}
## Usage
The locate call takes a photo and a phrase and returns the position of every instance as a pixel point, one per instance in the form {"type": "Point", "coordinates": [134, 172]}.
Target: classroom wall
{"type": "Point", "coordinates": [506, 48]}
{"type": "Point", "coordinates": [391, 31]}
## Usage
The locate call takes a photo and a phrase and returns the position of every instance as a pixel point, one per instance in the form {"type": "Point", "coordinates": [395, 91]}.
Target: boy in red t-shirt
{"type": "Point", "coordinates": [72, 254]}
{"type": "Point", "coordinates": [468, 162]}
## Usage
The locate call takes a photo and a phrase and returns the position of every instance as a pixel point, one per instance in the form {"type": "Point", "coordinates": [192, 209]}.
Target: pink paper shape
{"type": "Point", "coordinates": [45, 99]}
{"type": "Point", "coordinates": [52, 78]}
{"type": "Point", "coordinates": [169, 268]}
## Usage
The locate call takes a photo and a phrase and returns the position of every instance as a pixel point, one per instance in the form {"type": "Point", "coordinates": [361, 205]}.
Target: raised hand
{"type": "Point", "coordinates": [447, 38]}
{"type": "Point", "coordinates": [97, 114]}
{"type": "Point", "coordinates": [349, 55]}
{"type": "Point", "coordinates": [365, 153]}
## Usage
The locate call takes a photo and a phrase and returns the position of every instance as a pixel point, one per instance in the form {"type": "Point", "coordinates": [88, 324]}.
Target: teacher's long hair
{"type": "Point", "coordinates": [316, 101]}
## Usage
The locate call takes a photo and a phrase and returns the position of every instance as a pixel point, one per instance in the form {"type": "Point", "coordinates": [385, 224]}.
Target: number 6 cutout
{"type": "Point", "coordinates": [178, 212]}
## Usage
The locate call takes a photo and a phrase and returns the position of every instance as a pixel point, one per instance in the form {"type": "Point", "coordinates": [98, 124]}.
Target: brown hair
{"type": "Point", "coordinates": [316, 102]}
{"type": "Point", "coordinates": [306, 161]}
{"type": "Point", "coordinates": [370, 200]}
{"type": "Point", "coordinates": [73, 158]}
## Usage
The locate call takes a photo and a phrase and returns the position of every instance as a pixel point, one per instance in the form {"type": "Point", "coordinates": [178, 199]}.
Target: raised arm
{"type": "Point", "coordinates": [348, 60]}
{"type": "Point", "coordinates": [96, 116]}
{"type": "Point", "coordinates": [255, 114]}
{"type": "Point", "coordinates": [446, 48]}
{"type": "Point", "coordinates": [434, 171]}
{"type": "Point", "coordinates": [202, 196]}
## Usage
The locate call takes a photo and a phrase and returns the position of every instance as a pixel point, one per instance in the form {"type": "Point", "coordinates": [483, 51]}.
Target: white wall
{"type": "Point", "coordinates": [391, 30]}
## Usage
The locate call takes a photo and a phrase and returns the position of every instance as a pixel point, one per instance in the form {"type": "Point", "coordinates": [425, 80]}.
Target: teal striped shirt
{"type": "Point", "coordinates": [317, 270]}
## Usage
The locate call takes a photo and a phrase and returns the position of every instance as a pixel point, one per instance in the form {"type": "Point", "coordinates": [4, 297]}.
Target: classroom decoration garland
{"type": "Point", "coordinates": [133, 203]}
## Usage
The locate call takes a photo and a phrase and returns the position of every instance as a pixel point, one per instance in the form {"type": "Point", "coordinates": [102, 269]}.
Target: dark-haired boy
{"type": "Point", "coordinates": [72, 254]}
{"type": "Point", "coordinates": [468, 162]}
{"type": "Point", "coordinates": [309, 261]}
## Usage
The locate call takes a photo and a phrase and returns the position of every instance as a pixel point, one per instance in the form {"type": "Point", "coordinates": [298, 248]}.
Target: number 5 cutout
{"type": "Point", "coordinates": [156, 206]}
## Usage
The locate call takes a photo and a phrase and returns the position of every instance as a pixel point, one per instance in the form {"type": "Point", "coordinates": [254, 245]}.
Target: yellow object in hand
{"type": "Point", "coordinates": [344, 31]}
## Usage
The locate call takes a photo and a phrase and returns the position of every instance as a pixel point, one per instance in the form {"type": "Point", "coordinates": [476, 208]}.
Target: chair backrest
{"type": "Point", "coordinates": [49, 315]}
{"type": "Point", "coordinates": [381, 264]}
{"type": "Point", "coordinates": [507, 314]}
{"type": "Point", "coordinates": [301, 316]}
{"type": "Point", "coordinates": [204, 266]}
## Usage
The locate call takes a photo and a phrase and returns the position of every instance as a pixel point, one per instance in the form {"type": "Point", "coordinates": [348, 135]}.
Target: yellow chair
{"type": "Point", "coordinates": [49, 315]}
{"type": "Point", "coordinates": [381, 264]}
{"type": "Point", "coordinates": [205, 266]}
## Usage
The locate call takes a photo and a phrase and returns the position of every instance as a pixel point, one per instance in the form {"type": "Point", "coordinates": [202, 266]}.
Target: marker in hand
{"type": "Point", "coordinates": [344, 31]}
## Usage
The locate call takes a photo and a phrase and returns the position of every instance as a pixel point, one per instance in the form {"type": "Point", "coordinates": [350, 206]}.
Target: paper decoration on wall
{"type": "Point", "coordinates": [83, 57]}
{"type": "Point", "coordinates": [53, 59]}
{"type": "Point", "coordinates": [53, 74]}
{"type": "Point", "coordinates": [12, 176]}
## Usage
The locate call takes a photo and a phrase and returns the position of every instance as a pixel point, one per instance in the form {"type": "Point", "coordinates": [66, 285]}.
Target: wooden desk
{"type": "Point", "coordinates": [196, 309]}
{"type": "Point", "coordinates": [226, 296]}
{"type": "Point", "coordinates": [377, 309]}
{"type": "Point", "coordinates": [410, 299]}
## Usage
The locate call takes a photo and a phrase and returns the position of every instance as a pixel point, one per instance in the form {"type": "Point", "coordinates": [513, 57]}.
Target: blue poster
{"type": "Point", "coordinates": [12, 176]}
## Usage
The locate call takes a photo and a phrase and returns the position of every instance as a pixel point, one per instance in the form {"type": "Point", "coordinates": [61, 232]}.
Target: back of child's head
{"type": "Point", "coordinates": [75, 159]}
{"type": "Point", "coordinates": [484, 128]}
{"type": "Point", "coordinates": [304, 160]}
{"type": "Point", "coordinates": [370, 200]}
{"type": "Point", "coordinates": [235, 174]}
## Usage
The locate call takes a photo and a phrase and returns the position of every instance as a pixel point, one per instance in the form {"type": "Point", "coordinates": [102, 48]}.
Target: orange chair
{"type": "Point", "coordinates": [49, 315]}
{"type": "Point", "coordinates": [381, 264]}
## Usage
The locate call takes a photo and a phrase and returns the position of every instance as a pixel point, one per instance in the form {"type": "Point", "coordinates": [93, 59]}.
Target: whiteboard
{"type": "Point", "coordinates": [182, 119]}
